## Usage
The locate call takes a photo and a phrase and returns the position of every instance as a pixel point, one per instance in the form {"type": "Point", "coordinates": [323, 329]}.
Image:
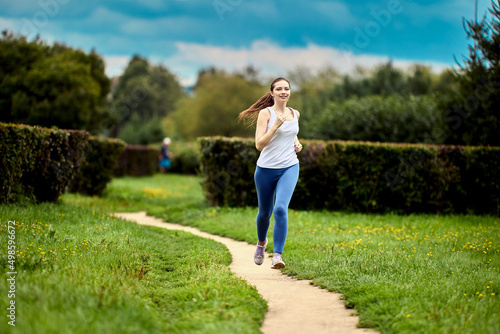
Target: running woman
{"type": "Point", "coordinates": [277, 168]}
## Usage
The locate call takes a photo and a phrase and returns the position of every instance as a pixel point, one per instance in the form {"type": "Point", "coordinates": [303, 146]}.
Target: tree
{"type": "Point", "coordinates": [387, 80]}
{"type": "Point", "coordinates": [150, 92]}
{"type": "Point", "coordinates": [138, 132]}
{"type": "Point", "coordinates": [51, 85]}
{"type": "Point", "coordinates": [420, 82]}
{"type": "Point", "coordinates": [473, 114]}
{"type": "Point", "coordinates": [213, 110]}
{"type": "Point", "coordinates": [395, 118]}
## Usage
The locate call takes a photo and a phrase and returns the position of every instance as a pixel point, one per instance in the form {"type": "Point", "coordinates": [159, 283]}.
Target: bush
{"type": "Point", "coordinates": [38, 161]}
{"type": "Point", "coordinates": [227, 166]}
{"type": "Point", "coordinates": [397, 119]}
{"type": "Point", "coordinates": [142, 132]}
{"type": "Point", "coordinates": [137, 160]}
{"type": "Point", "coordinates": [185, 157]}
{"type": "Point", "coordinates": [101, 159]}
{"type": "Point", "coordinates": [17, 156]}
{"type": "Point", "coordinates": [362, 176]}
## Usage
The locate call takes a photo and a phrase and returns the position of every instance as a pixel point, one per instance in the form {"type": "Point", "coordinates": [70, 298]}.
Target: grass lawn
{"type": "Point", "coordinates": [402, 274]}
{"type": "Point", "coordinates": [80, 270]}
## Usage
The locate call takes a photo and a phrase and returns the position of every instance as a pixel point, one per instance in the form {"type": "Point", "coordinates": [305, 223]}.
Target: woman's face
{"type": "Point", "coordinates": [281, 91]}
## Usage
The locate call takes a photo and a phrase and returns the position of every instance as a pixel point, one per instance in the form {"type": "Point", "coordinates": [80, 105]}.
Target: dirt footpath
{"type": "Point", "coordinates": [295, 306]}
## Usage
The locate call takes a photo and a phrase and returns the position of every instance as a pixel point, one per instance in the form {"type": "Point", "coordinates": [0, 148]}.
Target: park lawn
{"type": "Point", "coordinates": [401, 273]}
{"type": "Point", "coordinates": [81, 270]}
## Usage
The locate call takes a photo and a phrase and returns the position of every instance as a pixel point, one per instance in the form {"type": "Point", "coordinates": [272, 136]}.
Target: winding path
{"type": "Point", "coordinates": [295, 306]}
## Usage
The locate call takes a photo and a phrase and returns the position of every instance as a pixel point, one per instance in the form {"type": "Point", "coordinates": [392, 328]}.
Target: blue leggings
{"type": "Point", "coordinates": [274, 192]}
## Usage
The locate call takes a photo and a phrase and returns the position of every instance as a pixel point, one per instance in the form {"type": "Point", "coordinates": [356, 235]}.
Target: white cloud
{"type": "Point", "coordinates": [272, 59]}
{"type": "Point", "coordinates": [115, 65]}
{"type": "Point", "coordinates": [7, 24]}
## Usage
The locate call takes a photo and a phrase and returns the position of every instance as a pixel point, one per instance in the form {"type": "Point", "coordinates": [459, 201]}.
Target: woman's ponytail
{"type": "Point", "coordinates": [252, 113]}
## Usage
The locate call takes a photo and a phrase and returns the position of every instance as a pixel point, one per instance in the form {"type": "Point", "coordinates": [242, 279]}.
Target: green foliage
{"type": "Point", "coordinates": [362, 176]}
{"type": "Point", "coordinates": [144, 94]}
{"type": "Point", "coordinates": [227, 166]}
{"type": "Point", "coordinates": [480, 178]}
{"type": "Point", "coordinates": [16, 145]}
{"type": "Point", "coordinates": [214, 108]}
{"type": "Point", "coordinates": [396, 118]}
{"type": "Point", "coordinates": [380, 104]}
{"type": "Point", "coordinates": [101, 159]}
{"type": "Point", "coordinates": [186, 157]}
{"type": "Point", "coordinates": [51, 85]}
{"type": "Point", "coordinates": [138, 160]}
{"type": "Point", "coordinates": [140, 132]}
{"type": "Point", "coordinates": [327, 85]}
{"type": "Point", "coordinates": [58, 159]}
{"type": "Point", "coordinates": [473, 113]}
{"type": "Point", "coordinates": [90, 272]}
{"type": "Point", "coordinates": [387, 80]}
{"type": "Point", "coordinates": [38, 161]}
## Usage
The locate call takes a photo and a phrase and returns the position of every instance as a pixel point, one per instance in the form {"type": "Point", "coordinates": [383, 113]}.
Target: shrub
{"type": "Point", "coordinates": [137, 160]}
{"type": "Point", "coordinates": [362, 176]}
{"type": "Point", "coordinates": [101, 159]}
{"type": "Point", "coordinates": [16, 156]}
{"type": "Point", "coordinates": [185, 157]}
{"type": "Point", "coordinates": [59, 157]}
{"type": "Point", "coordinates": [142, 132]}
{"type": "Point", "coordinates": [397, 119]}
{"type": "Point", "coordinates": [38, 161]}
{"type": "Point", "coordinates": [227, 166]}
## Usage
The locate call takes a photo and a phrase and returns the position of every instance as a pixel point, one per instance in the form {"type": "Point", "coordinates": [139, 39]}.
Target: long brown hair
{"type": "Point", "coordinates": [265, 101]}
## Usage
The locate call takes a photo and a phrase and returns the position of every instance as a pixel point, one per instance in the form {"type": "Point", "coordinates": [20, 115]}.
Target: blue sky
{"type": "Point", "coordinates": [273, 36]}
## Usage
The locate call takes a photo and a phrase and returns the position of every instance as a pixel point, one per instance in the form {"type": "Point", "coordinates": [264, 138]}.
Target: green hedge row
{"type": "Point", "coordinates": [137, 160]}
{"type": "Point", "coordinates": [227, 166]}
{"type": "Point", "coordinates": [363, 176]}
{"type": "Point", "coordinates": [101, 159]}
{"type": "Point", "coordinates": [39, 162]}
{"type": "Point", "coordinates": [142, 160]}
{"type": "Point", "coordinates": [42, 163]}
{"type": "Point", "coordinates": [186, 158]}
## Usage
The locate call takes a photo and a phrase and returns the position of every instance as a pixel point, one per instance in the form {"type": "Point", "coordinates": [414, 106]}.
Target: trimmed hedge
{"type": "Point", "coordinates": [38, 161]}
{"type": "Point", "coordinates": [142, 160]}
{"type": "Point", "coordinates": [227, 166]}
{"type": "Point", "coordinates": [186, 158]}
{"type": "Point", "coordinates": [101, 159]}
{"type": "Point", "coordinates": [363, 176]}
{"type": "Point", "coordinates": [137, 160]}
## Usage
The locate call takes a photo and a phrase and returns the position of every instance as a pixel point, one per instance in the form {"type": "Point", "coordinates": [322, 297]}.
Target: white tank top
{"type": "Point", "coordinates": [280, 151]}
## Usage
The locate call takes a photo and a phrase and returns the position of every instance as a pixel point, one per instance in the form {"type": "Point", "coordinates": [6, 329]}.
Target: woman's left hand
{"type": "Point", "coordinates": [298, 147]}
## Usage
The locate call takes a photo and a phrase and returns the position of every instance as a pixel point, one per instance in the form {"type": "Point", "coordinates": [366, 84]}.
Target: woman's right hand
{"type": "Point", "coordinates": [280, 119]}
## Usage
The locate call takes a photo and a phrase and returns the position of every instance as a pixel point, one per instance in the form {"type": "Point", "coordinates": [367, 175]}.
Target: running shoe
{"type": "Point", "coordinates": [258, 257]}
{"type": "Point", "coordinates": [277, 262]}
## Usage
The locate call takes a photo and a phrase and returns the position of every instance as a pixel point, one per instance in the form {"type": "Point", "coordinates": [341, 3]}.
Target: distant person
{"type": "Point", "coordinates": [277, 170]}
{"type": "Point", "coordinates": [165, 155]}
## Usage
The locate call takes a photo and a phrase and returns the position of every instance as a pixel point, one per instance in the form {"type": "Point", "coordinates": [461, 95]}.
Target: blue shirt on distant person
{"type": "Point", "coordinates": [165, 155]}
